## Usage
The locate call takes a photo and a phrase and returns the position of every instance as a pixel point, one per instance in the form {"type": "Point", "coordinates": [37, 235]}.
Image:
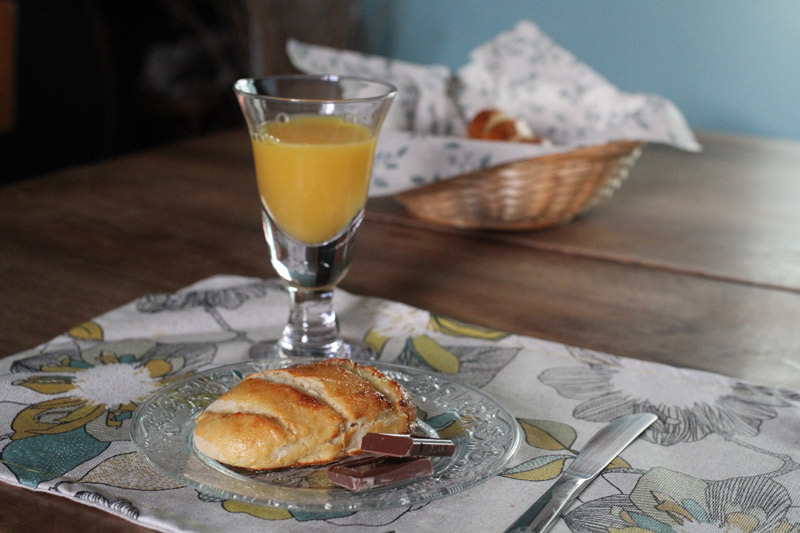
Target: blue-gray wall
{"type": "Point", "coordinates": [729, 65]}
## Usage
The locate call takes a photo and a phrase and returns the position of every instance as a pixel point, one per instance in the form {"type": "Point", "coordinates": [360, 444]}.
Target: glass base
{"type": "Point", "coordinates": [348, 349]}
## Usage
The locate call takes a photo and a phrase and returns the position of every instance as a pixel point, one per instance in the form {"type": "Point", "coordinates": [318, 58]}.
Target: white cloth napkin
{"type": "Point", "coordinates": [521, 71]}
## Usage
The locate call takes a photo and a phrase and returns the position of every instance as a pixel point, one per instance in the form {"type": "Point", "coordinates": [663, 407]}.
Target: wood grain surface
{"type": "Point", "coordinates": [694, 262]}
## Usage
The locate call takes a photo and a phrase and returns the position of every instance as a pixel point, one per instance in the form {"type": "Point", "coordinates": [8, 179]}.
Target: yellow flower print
{"type": "Point", "coordinates": [92, 394]}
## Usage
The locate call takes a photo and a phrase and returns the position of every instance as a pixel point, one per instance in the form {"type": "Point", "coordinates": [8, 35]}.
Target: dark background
{"type": "Point", "coordinates": [99, 78]}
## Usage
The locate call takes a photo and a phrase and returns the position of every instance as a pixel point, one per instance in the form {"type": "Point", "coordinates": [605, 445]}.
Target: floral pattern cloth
{"type": "Point", "coordinates": [521, 71]}
{"type": "Point", "coordinates": [723, 456]}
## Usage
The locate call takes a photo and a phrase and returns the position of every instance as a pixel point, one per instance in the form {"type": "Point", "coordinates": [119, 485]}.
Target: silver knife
{"type": "Point", "coordinates": [600, 450]}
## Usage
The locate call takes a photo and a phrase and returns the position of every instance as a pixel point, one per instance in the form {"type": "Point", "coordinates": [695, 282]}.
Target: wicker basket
{"type": "Point", "coordinates": [528, 194]}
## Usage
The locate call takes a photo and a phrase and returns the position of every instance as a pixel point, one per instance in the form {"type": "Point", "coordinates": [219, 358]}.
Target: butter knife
{"type": "Point", "coordinates": [600, 450]}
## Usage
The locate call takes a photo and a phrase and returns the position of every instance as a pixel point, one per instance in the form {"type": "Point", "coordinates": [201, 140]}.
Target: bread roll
{"type": "Point", "coordinates": [305, 414]}
{"type": "Point", "coordinates": [495, 125]}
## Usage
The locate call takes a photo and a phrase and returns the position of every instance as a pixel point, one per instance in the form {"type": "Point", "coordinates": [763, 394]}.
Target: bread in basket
{"type": "Point", "coordinates": [529, 194]}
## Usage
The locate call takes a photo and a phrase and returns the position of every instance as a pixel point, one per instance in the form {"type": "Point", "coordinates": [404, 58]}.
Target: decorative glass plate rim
{"type": "Point", "coordinates": [162, 429]}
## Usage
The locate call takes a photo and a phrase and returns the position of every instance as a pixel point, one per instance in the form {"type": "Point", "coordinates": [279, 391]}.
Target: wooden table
{"type": "Point", "coordinates": [694, 262]}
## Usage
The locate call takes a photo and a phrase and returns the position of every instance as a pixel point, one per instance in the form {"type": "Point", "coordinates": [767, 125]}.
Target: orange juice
{"type": "Point", "coordinates": [313, 174]}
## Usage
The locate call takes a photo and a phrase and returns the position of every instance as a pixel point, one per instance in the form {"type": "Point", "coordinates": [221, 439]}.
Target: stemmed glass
{"type": "Point", "coordinates": [313, 140]}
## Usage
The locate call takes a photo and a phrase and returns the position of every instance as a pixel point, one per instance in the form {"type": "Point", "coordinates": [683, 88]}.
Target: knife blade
{"type": "Point", "coordinates": [600, 450]}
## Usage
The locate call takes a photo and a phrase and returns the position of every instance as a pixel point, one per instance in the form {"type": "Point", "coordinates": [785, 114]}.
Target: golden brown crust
{"type": "Point", "coordinates": [248, 438]}
{"type": "Point", "coordinates": [345, 393]}
{"type": "Point", "coordinates": [495, 125]}
{"type": "Point", "coordinates": [402, 404]}
{"type": "Point", "coordinates": [304, 414]}
{"type": "Point", "coordinates": [477, 126]}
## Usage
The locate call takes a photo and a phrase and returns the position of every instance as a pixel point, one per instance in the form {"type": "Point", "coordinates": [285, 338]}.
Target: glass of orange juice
{"type": "Point", "coordinates": [313, 140]}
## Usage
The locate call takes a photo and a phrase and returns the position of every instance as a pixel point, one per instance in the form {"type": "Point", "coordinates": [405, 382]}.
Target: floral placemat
{"type": "Point", "coordinates": [723, 456]}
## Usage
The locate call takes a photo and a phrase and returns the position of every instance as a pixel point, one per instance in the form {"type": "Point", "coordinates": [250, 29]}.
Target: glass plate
{"type": "Point", "coordinates": [486, 434]}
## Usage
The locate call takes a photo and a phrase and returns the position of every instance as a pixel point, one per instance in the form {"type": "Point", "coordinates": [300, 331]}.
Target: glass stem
{"type": "Point", "coordinates": [313, 329]}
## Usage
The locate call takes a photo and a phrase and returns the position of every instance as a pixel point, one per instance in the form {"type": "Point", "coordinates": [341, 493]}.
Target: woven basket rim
{"type": "Point", "coordinates": [609, 150]}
